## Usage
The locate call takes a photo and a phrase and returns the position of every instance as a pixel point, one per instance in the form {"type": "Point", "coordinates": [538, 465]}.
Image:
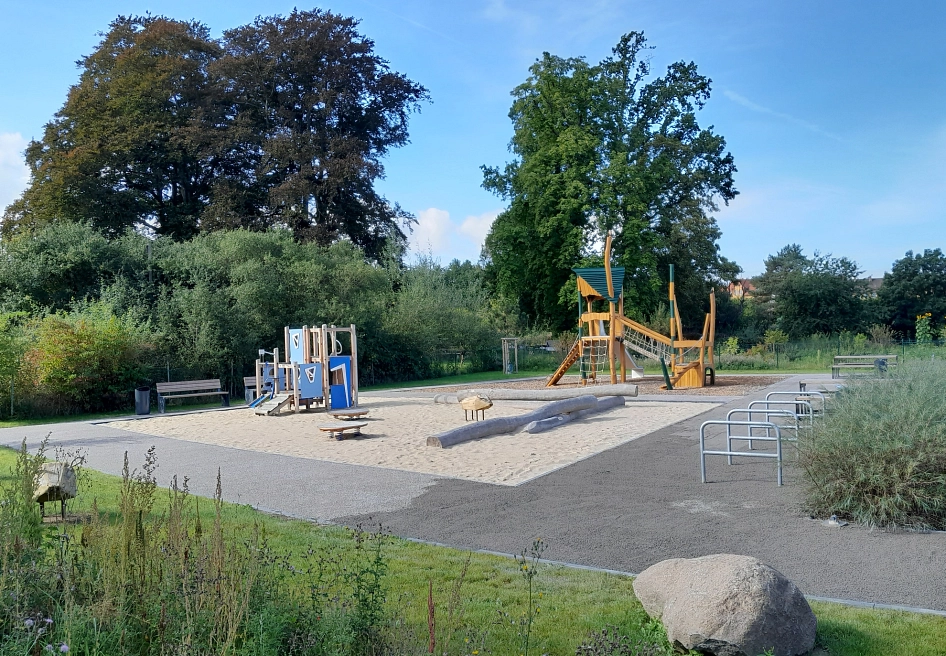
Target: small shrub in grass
{"type": "Point", "coordinates": [879, 455]}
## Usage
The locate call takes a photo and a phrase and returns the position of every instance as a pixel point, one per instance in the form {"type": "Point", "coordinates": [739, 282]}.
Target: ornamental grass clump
{"type": "Point", "coordinates": [879, 455]}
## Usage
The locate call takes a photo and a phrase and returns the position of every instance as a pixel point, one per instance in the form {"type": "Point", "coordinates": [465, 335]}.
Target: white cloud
{"type": "Point", "coordinates": [432, 230]}
{"type": "Point", "coordinates": [447, 239]}
{"type": "Point", "coordinates": [761, 109]}
{"type": "Point", "coordinates": [14, 174]}
{"type": "Point", "coordinates": [477, 227]}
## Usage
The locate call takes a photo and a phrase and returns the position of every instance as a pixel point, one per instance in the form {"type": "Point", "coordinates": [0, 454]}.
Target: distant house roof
{"type": "Point", "coordinates": [741, 288]}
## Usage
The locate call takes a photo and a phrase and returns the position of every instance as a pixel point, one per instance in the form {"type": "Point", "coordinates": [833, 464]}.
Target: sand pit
{"type": "Point", "coordinates": [395, 437]}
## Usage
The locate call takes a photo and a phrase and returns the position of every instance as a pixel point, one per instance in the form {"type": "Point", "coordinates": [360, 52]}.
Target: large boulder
{"type": "Point", "coordinates": [728, 606]}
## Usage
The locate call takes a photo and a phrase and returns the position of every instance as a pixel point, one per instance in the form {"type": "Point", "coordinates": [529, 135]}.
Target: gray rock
{"type": "Point", "coordinates": [728, 606]}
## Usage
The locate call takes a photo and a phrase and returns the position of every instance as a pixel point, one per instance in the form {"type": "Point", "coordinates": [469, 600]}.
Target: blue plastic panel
{"type": "Point", "coordinates": [340, 379]}
{"type": "Point", "coordinates": [296, 345]}
{"type": "Point", "coordinates": [310, 381]}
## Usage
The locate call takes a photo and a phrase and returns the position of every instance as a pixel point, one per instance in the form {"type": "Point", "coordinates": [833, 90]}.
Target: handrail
{"type": "Point", "coordinates": [633, 325]}
{"type": "Point", "coordinates": [730, 453]}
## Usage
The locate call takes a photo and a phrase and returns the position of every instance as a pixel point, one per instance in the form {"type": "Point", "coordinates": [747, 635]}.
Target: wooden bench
{"type": "Point", "coordinates": [249, 387]}
{"type": "Point", "coordinates": [186, 388]}
{"type": "Point", "coordinates": [856, 363]}
{"type": "Point", "coordinates": [338, 430]}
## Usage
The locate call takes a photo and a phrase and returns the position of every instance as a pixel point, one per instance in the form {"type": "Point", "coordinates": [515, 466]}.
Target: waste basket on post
{"type": "Point", "coordinates": [142, 400]}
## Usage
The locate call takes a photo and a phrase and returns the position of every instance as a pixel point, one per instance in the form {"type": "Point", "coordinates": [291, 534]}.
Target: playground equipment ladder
{"type": "Point", "coordinates": [274, 405]}
{"type": "Point", "coordinates": [567, 363]}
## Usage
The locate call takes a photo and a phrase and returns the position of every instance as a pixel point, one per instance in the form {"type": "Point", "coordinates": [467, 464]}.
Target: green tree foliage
{"type": "Point", "coordinates": [206, 305]}
{"type": "Point", "coordinates": [121, 152]}
{"type": "Point", "coordinates": [315, 110]}
{"type": "Point", "coordinates": [804, 296]}
{"type": "Point", "coordinates": [283, 122]}
{"type": "Point", "coordinates": [599, 148]}
{"type": "Point", "coordinates": [915, 285]}
{"type": "Point", "coordinates": [53, 268]}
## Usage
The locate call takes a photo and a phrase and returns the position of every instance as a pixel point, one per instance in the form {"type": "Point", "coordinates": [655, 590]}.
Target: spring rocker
{"type": "Point", "coordinates": [608, 340]}
{"type": "Point", "coordinates": [316, 371]}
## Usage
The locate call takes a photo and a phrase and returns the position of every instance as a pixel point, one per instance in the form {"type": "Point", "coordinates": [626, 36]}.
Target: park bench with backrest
{"type": "Point", "coordinates": [190, 388]}
{"type": "Point", "coordinates": [852, 364]}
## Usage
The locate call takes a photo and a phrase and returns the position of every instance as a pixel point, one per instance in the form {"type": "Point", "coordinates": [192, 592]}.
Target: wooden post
{"type": "Point", "coordinates": [305, 345]}
{"type": "Point", "coordinates": [294, 371]}
{"type": "Point", "coordinates": [612, 340]}
{"type": "Point", "coordinates": [275, 371]}
{"type": "Point", "coordinates": [259, 378]}
{"type": "Point", "coordinates": [621, 352]}
{"type": "Point", "coordinates": [673, 325]}
{"type": "Point", "coordinates": [712, 331]}
{"type": "Point", "coordinates": [286, 339]}
{"type": "Point", "coordinates": [354, 367]}
{"type": "Point", "coordinates": [325, 372]}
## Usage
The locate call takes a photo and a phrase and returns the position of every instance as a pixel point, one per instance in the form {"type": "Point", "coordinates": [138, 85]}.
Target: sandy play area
{"type": "Point", "coordinates": [398, 428]}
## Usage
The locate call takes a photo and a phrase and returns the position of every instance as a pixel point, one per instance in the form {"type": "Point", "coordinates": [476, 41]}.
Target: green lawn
{"type": "Point", "coordinates": [492, 598]}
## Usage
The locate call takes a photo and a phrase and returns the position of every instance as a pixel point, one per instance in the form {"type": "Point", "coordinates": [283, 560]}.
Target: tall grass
{"type": "Point", "coordinates": [138, 581]}
{"type": "Point", "coordinates": [879, 457]}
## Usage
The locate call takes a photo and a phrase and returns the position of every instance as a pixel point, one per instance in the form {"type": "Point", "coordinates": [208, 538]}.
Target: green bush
{"type": "Point", "coordinates": [879, 456]}
{"type": "Point", "coordinates": [743, 362]}
{"type": "Point", "coordinates": [86, 361]}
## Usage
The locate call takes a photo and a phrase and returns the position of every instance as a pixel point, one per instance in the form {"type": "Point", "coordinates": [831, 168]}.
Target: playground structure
{"type": "Point", "coordinates": [317, 370]}
{"type": "Point", "coordinates": [609, 340]}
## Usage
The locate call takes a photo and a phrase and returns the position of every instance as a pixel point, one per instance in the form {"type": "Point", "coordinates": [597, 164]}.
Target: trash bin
{"type": "Point", "coordinates": [142, 400]}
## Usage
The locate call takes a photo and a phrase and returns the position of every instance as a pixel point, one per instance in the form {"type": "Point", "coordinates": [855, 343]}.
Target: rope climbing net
{"type": "Point", "coordinates": [594, 357]}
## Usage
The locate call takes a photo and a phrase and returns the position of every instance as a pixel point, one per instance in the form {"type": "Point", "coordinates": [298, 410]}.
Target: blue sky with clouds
{"type": "Point", "coordinates": [835, 112]}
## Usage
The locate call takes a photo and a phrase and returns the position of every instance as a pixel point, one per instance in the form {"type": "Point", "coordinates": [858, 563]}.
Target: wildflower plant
{"type": "Point", "coordinates": [528, 562]}
{"type": "Point", "coordinates": [924, 328]}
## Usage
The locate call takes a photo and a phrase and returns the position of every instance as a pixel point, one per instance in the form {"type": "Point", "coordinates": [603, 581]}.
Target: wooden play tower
{"type": "Point", "coordinates": [608, 340]}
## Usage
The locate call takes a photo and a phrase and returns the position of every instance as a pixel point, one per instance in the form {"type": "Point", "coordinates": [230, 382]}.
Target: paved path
{"type": "Point", "coordinates": [623, 509]}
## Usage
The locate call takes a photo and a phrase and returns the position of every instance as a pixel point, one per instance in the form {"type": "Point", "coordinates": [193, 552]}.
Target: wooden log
{"type": "Point", "coordinates": [603, 405]}
{"type": "Point", "coordinates": [501, 425]}
{"type": "Point", "coordinates": [509, 394]}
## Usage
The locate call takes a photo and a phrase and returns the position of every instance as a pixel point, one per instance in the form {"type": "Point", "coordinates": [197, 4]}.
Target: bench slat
{"type": "Point", "coordinates": [189, 385]}
{"type": "Point", "coordinates": [181, 396]}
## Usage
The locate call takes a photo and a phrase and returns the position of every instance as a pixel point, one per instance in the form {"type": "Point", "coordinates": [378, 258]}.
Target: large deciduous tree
{"type": "Point", "coordinates": [805, 296]}
{"type": "Point", "coordinates": [915, 285]}
{"type": "Point", "coordinates": [118, 153]}
{"type": "Point", "coordinates": [602, 148]}
{"type": "Point", "coordinates": [314, 111]}
{"type": "Point", "coordinates": [282, 122]}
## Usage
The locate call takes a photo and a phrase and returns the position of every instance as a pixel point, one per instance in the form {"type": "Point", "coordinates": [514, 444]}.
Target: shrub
{"type": "Point", "coordinates": [879, 456]}
{"type": "Point", "coordinates": [86, 361]}
{"type": "Point", "coordinates": [743, 362]}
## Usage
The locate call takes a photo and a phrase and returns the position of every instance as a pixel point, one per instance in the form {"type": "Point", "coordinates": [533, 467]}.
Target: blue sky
{"type": "Point", "coordinates": [835, 112]}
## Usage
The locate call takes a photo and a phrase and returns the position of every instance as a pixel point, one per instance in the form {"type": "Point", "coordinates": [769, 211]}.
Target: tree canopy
{"type": "Point", "coordinates": [600, 148]}
{"type": "Point", "coordinates": [283, 122]}
{"type": "Point", "coordinates": [915, 285]}
{"type": "Point", "coordinates": [805, 296]}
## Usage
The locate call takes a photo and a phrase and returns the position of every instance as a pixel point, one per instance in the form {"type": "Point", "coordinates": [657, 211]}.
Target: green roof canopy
{"type": "Point", "coordinates": [597, 279]}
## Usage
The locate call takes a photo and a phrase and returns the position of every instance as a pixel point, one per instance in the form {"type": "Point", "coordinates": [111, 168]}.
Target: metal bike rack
{"type": "Point", "coordinates": [802, 396]}
{"type": "Point", "coordinates": [749, 417]}
{"type": "Point", "coordinates": [795, 405]}
{"type": "Point", "coordinates": [761, 424]}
